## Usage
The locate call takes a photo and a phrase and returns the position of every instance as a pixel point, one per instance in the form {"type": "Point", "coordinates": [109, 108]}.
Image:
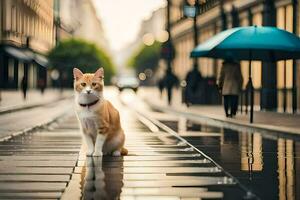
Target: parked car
{"type": "Point", "coordinates": [128, 82]}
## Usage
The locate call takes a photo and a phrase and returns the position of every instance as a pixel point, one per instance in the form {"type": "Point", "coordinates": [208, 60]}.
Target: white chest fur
{"type": "Point", "coordinates": [89, 121]}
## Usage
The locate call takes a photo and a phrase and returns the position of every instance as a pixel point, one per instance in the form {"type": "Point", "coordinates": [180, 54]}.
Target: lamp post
{"type": "Point", "coordinates": [192, 11]}
{"type": "Point", "coordinates": [167, 49]}
{"type": "Point", "coordinates": [169, 41]}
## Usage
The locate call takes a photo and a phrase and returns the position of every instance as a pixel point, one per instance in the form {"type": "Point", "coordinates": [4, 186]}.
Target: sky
{"type": "Point", "coordinates": [121, 19]}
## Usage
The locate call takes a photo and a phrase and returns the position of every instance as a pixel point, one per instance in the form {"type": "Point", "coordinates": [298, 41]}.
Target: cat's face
{"type": "Point", "coordinates": [88, 87]}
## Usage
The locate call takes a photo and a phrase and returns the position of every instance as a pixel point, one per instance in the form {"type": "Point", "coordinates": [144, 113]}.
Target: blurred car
{"type": "Point", "coordinates": [128, 82]}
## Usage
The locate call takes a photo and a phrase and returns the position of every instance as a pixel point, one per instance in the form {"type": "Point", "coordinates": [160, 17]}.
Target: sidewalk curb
{"type": "Point", "coordinates": [35, 127]}
{"type": "Point", "coordinates": [21, 107]}
{"type": "Point", "coordinates": [230, 123]}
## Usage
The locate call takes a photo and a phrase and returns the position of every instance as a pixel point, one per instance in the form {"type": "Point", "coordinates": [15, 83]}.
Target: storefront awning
{"type": "Point", "coordinates": [41, 60]}
{"type": "Point", "coordinates": [24, 55]}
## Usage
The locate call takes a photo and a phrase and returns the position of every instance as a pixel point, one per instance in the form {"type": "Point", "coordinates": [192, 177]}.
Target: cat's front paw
{"type": "Point", "coordinates": [97, 154]}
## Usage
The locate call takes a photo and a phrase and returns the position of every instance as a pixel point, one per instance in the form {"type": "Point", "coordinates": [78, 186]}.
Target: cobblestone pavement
{"type": "Point", "coordinates": [51, 164]}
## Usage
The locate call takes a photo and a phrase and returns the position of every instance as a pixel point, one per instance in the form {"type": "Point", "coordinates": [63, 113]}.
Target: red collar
{"type": "Point", "coordinates": [89, 104]}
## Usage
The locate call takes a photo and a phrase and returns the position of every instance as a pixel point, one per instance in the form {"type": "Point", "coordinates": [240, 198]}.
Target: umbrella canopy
{"type": "Point", "coordinates": [251, 43]}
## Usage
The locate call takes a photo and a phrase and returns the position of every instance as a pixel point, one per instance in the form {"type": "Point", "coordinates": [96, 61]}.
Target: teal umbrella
{"type": "Point", "coordinates": [251, 43]}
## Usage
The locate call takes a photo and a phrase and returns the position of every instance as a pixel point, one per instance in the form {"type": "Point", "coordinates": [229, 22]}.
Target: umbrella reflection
{"type": "Point", "coordinates": [251, 153]}
{"type": "Point", "coordinates": [103, 179]}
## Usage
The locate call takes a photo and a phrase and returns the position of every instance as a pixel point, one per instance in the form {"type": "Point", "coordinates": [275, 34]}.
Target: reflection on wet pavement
{"type": "Point", "coordinates": [99, 181]}
{"type": "Point", "coordinates": [268, 164]}
{"type": "Point", "coordinates": [158, 166]}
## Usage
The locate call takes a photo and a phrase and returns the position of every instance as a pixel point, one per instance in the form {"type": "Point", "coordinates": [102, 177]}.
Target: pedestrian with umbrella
{"type": "Point", "coordinates": [251, 43]}
{"type": "Point", "coordinates": [230, 83]}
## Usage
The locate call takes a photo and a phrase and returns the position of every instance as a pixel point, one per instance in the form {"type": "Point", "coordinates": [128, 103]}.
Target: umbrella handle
{"type": "Point", "coordinates": [251, 87]}
{"type": "Point", "coordinates": [251, 99]}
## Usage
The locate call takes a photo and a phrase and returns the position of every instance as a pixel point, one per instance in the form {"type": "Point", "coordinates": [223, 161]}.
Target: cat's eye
{"type": "Point", "coordinates": [94, 84]}
{"type": "Point", "coordinates": [83, 84]}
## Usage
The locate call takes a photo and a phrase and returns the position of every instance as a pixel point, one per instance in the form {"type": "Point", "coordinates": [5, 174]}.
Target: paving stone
{"type": "Point", "coordinates": [30, 195]}
{"type": "Point", "coordinates": [35, 178]}
{"type": "Point", "coordinates": [38, 163]}
{"type": "Point", "coordinates": [166, 191]}
{"type": "Point", "coordinates": [173, 183]}
{"type": "Point", "coordinates": [34, 170]}
{"type": "Point", "coordinates": [202, 195]}
{"type": "Point", "coordinates": [148, 170]}
{"type": "Point", "coordinates": [161, 176]}
{"type": "Point", "coordinates": [31, 187]}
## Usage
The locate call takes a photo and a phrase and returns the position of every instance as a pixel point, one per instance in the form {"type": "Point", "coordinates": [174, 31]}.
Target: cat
{"type": "Point", "coordinates": [99, 120]}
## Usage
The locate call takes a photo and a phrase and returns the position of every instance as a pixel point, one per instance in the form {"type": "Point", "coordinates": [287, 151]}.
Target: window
{"type": "Point", "coordinates": [13, 19]}
{"type": "Point", "coordinates": [285, 21]}
{"type": "Point", "coordinates": [256, 65]}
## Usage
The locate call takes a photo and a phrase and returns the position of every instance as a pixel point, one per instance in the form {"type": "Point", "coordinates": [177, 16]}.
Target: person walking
{"type": "Point", "coordinates": [230, 83]}
{"type": "Point", "coordinates": [24, 87]}
{"type": "Point", "coordinates": [194, 81]}
{"type": "Point", "coordinates": [170, 80]}
{"type": "Point", "coordinates": [161, 86]}
{"type": "Point", "coordinates": [42, 85]}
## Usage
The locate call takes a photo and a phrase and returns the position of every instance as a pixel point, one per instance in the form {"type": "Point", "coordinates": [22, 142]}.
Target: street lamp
{"type": "Point", "coordinates": [191, 10]}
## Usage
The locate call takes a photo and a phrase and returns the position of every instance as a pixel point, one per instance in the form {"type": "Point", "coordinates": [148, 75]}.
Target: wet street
{"type": "Point", "coordinates": [207, 93]}
{"type": "Point", "coordinates": [267, 164]}
{"type": "Point", "coordinates": [169, 158]}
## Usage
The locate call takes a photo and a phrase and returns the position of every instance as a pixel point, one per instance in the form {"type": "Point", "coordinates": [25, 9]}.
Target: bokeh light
{"type": "Point", "coordinates": [163, 36]}
{"type": "Point", "coordinates": [148, 39]}
{"type": "Point", "coordinates": [142, 76]}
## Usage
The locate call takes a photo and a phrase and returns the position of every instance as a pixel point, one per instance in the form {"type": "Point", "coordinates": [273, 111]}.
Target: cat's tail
{"type": "Point", "coordinates": [124, 151]}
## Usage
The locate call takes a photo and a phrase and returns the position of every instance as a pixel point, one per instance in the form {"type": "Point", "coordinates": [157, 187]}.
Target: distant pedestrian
{"type": "Point", "coordinates": [230, 83]}
{"type": "Point", "coordinates": [42, 85]}
{"type": "Point", "coordinates": [170, 81]}
{"type": "Point", "coordinates": [24, 87]}
{"type": "Point", "coordinates": [193, 83]}
{"type": "Point", "coordinates": [161, 86]}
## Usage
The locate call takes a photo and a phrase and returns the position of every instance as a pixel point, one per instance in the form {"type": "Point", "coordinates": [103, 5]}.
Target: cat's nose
{"type": "Point", "coordinates": [88, 91]}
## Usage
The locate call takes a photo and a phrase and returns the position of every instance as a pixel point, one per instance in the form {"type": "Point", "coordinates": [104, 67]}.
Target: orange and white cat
{"type": "Point", "coordinates": [99, 120]}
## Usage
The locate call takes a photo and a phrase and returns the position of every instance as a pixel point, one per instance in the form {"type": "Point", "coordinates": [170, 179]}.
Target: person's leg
{"type": "Point", "coordinates": [231, 105]}
{"type": "Point", "coordinates": [226, 101]}
{"type": "Point", "coordinates": [169, 95]}
{"type": "Point", "coordinates": [24, 94]}
{"type": "Point", "coordinates": [235, 100]}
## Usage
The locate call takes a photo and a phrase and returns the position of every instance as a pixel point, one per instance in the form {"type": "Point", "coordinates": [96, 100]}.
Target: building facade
{"type": "Point", "coordinates": [86, 25]}
{"type": "Point", "coordinates": [26, 35]}
{"type": "Point", "coordinates": [269, 79]}
{"type": "Point", "coordinates": [151, 29]}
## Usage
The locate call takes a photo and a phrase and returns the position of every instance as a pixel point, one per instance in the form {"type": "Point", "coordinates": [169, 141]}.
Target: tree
{"type": "Point", "coordinates": [146, 57]}
{"type": "Point", "coordinates": [78, 53]}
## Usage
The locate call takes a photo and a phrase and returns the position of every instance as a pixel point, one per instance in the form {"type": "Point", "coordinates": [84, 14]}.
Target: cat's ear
{"type": "Point", "coordinates": [77, 74]}
{"type": "Point", "coordinates": [99, 73]}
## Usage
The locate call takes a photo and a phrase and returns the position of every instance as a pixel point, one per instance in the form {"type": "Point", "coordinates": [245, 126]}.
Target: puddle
{"type": "Point", "coordinates": [267, 164]}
